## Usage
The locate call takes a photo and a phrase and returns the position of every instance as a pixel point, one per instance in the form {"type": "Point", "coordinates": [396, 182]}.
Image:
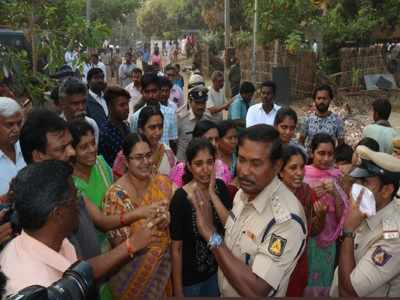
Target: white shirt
{"type": "Point", "coordinates": [92, 123]}
{"type": "Point", "coordinates": [216, 99]}
{"type": "Point", "coordinates": [70, 58]}
{"type": "Point", "coordinates": [135, 97]}
{"type": "Point", "coordinates": [9, 169]}
{"type": "Point", "coordinates": [100, 100]}
{"type": "Point", "coordinates": [172, 105]}
{"type": "Point", "coordinates": [176, 95]}
{"type": "Point", "coordinates": [257, 115]}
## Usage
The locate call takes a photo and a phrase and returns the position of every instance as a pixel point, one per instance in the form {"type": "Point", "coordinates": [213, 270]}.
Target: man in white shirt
{"type": "Point", "coordinates": [94, 63]}
{"type": "Point", "coordinates": [70, 58]}
{"type": "Point", "coordinates": [72, 95]}
{"type": "Point", "coordinates": [216, 98]}
{"type": "Point", "coordinates": [264, 112]}
{"type": "Point", "coordinates": [176, 94]}
{"type": "Point", "coordinates": [135, 90]}
{"type": "Point", "coordinates": [11, 159]}
{"type": "Point", "coordinates": [125, 70]}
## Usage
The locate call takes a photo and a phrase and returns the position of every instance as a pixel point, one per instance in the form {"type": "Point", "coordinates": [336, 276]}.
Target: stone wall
{"type": "Point", "coordinates": [357, 62]}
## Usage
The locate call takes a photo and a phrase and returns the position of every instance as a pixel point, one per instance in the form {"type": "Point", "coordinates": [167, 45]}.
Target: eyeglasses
{"type": "Point", "coordinates": [142, 157]}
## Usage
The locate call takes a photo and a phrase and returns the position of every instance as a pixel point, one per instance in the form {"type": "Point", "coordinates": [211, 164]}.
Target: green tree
{"type": "Point", "coordinates": [51, 26]}
{"type": "Point", "coordinates": [108, 12]}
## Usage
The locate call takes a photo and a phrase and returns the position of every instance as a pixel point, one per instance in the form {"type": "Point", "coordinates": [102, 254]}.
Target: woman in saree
{"type": "Point", "coordinates": [292, 175]}
{"type": "Point", "coordinates": [323, 178]}
{"type": "Point", "coordinates": [150, 125]}
{"type": "Point", "coordinates": [147, 275]}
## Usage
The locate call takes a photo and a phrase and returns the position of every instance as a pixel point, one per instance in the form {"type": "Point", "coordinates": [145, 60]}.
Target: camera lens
{"type": "Point", "coordinates": [77, 284]}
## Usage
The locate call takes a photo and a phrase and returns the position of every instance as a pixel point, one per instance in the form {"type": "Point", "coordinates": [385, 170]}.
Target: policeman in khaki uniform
{"type": "Point", "coordinates": [369, 264]}
{"type": "Point", "coordinates": [266, 228]}
{"type": "Point", "coordinates": [189, 116]}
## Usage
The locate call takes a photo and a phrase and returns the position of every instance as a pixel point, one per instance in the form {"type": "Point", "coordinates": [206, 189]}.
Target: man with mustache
{"type": "Point", "coordinates": [45, 136]}
{"type": "Point", "coordinates": [266, 228]}
{"type": "Point", "coordinates": [72, 95]}
{"type": "Point", "coordinates": [322, 120]}
{"type": "Point", "coordinates": [151, 96]}
{"type": "Point", "coordinates": [11, 160]}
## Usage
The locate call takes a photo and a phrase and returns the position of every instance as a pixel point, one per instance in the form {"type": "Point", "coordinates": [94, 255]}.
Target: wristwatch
{"type": "Point", "coordinates": [215, 241]}
{"type": "Point", "coordinates": [348, 234]}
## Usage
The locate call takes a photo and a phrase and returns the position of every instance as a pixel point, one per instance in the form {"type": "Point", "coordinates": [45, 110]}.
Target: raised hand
{"type": "Point", "coordinates": [212, 186]}
{"type": "Point", "coordinates": [153, 210]}
{"type": "Point", "coordinates": [204, 213]}
{"type": "Point", "coordinates": [329, 187]}
{"type": "Point", "coordinates": [354, 217]}
{"type": "Point", "coordinates": [144, 237]}
{"type": "Point", "coordinates": [319, 190]}
{"type": "Point", "coordinates": [320, 209]}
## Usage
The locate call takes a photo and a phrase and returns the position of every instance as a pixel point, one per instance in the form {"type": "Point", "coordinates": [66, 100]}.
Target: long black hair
{"type": "Point", "coordinates": [146, 113]}
{"type": "Point", "coordinates": [130, 141]}
{"type": "Point", "coordinates": [322, 138]}
{"type": "Point", "coordinates": [194, 147]}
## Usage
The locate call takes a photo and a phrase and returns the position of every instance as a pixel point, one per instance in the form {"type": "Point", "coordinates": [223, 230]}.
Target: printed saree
{"type": "Point", "coordinates": [147, 275]}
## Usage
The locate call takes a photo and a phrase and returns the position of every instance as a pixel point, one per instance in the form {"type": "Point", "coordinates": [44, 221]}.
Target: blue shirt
{"type": "Point", "coordinates": [146, 57]}
{"type": "Point", "coordinates": [111, 140]}
{"type": "Point", "coordinates": [238, 108]}
{"type": "Point", "coordinates": [170, 130]}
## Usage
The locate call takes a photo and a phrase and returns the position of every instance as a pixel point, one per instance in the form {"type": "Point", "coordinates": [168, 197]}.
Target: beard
{"type": "Point", "coordinates": [323, 108]}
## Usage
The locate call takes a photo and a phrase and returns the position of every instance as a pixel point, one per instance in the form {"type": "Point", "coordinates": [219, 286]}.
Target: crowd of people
{"type": "Point", "coordinates": [196, 195]}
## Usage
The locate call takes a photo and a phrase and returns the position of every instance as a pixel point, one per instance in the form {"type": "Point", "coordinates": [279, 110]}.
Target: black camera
{"type": "Point", "coordinates": [77, 283]}
{"type": "Point", "coordinates": [10, 216]}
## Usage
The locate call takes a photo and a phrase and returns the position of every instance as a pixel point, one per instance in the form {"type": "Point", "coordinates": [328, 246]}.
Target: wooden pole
{"type": "Point", "coordinates": [254, 53]}
{"type": "Point", "coordinates": [227, 45]}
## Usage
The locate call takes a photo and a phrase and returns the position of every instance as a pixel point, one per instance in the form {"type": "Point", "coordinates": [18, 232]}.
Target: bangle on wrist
{"type": "Point", "coordinates": [129, 248]}
{"type": "Point", "coordinates": [215, 241]}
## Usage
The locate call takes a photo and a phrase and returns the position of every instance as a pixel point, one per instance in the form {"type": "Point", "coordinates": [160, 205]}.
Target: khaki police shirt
{"type": "Point", "coordinates": [377, 255]}
{"type": "Point", "coordinates": [186, 123]}
{"type": "Point", "coordinates": [268, 234]}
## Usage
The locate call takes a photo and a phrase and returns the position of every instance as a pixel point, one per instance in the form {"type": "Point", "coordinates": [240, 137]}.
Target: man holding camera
{"type": "Point", "coordinates": [45, 136]}
{"type": "Point", "coordinates": [370, 251]}
{"type": "Point", "coordinates": [46, 201]}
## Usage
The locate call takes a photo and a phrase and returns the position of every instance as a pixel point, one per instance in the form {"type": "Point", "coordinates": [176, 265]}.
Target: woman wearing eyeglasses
{"type": "Point", "coordinates": [150, 125]}
{"type": "Point", "coordinates": [147, 275]}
